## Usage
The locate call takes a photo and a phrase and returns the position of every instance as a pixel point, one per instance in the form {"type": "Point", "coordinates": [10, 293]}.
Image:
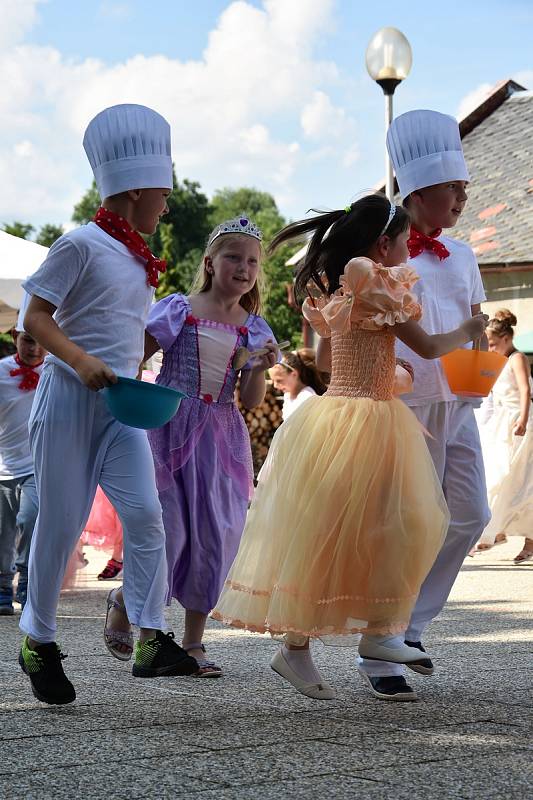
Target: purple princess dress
{"type": "Point", "coordinates": [202, 457]}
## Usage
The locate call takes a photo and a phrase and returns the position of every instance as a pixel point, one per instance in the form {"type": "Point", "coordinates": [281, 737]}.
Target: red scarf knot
{"type": "Point", "coordinates": [30, 378]}
{"type": "Point", "coordinates": [418, 242]}
{"type": "Point", "coordinates": [120, 229]}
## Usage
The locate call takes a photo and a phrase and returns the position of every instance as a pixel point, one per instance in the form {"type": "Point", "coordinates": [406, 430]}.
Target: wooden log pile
{"type": "Point", "coordinates": [262, 423]}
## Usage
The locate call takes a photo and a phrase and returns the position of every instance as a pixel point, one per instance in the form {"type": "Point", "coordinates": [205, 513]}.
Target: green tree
{"type": "Point", "coordinates": [20, 229]}
{"type": "Point", "coordinates": [181, 236]}
{"type": "Point", "coordinates": [285, 321]}
{"type": "Point", "coordinates": [89, 204]}
{"type": "Point", "coordinates": [49, 234]}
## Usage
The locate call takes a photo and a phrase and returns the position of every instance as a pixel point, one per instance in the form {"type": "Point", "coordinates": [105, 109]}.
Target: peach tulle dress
{"type": "Point", "coordinates": [350, 516]}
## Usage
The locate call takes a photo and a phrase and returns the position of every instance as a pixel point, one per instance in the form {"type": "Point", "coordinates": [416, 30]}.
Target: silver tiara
{"type": "Point", "coordinates": [238, 225]}
{"type": "Point", "coordinates": [392, 212]}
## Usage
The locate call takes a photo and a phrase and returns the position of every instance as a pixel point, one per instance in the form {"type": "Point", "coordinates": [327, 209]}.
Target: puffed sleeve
{"type": "Point", "coordinates": [313, 314]}
{"type": "Point", "coordinates": [166, 319]}
{"type": "Point", "coordinates": [259, 332]}
{"type": "Point", "coordinates": [372, 296]}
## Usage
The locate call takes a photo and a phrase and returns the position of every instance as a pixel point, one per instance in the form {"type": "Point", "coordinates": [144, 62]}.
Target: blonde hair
{"type": "Point", "coordinates": [503, 322]}
{"type": "Point", "coordinates": [252, 300]}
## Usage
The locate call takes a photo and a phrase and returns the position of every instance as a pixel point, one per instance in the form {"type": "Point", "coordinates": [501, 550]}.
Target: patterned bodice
{"type": "Point", "coordinates": [199, 362]}
{"type": "Point", "coordinates": [363, 364]}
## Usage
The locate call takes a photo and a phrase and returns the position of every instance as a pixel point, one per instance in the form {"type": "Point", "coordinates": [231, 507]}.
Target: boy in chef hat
{"type": "Point", "coordinates": [90, 300]}
{"type": "Point", "coordinates": [19, 376]}
{"type": "Point", "coordinates": [426, 151]}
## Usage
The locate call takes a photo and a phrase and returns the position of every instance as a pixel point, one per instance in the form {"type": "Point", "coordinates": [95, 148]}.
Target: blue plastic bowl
{"type": "Point", "coordinates": [140, 404]}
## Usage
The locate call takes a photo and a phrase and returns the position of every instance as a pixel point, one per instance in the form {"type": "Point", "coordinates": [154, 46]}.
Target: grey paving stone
{"type": "Point", "coordinates": [249, 735]}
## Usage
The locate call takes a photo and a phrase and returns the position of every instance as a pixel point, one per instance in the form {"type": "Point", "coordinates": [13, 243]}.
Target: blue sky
{"type": "Point", "coordinates": [270, 94]}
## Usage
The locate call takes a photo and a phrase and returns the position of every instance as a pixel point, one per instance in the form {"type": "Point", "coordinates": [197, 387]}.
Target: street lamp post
{"type": "Point", "coordinates": [388, 61]}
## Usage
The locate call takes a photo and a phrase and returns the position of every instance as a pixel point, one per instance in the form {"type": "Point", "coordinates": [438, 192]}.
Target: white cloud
{"type": "Point", "coordinates": [321, 120]}
{"type": "Point", "coordinates": [473, 99]}
{"type": "Point", "coordinates": [258, 66]}
{"type": "Point", "coordinates": [18, 17]}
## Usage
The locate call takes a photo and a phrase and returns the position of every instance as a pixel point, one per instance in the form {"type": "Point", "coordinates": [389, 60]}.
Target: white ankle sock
{"type": "Point", "coordinates": [302, 663]}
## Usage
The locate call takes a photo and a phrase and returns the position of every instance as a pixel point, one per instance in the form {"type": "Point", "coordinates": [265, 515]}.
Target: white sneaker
{"type": "Point", "coordinates": [318, 691]}
{"type": "Point", "coordinates": [369, 648]}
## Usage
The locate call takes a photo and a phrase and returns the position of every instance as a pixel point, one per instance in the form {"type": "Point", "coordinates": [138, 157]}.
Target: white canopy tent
{"type": "Point", "coordinates": [19, 258]}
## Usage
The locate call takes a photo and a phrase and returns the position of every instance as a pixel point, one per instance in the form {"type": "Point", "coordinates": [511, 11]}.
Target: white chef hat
{"type": "Point", "coordinates": [128, 147]}
{"type": "Point", "coordinates": [425, 149]}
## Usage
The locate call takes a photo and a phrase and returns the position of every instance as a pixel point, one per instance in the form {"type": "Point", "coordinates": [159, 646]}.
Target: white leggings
{"type": "Point", "coordinates": [76, 445]}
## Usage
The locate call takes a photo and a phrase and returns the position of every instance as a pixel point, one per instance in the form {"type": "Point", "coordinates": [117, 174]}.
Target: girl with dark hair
{"type": "Point", "coordinates": [350, 516]}
{"type": "Point", "coordinates": [299, 378]}
{"type": "Point", "coordinates": [506, 430]}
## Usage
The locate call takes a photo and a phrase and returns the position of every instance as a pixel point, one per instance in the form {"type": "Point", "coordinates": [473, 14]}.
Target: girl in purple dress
{"type": "Point", "coordinates": [202, 456]}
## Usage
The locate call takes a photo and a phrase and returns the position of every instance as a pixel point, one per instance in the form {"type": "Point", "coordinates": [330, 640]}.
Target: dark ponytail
{"type": "Point", "coordinates": [352, 232]}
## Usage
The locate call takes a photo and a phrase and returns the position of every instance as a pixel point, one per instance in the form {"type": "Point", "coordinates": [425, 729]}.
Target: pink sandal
{"type": "Point", "coordinates": [207, 669]}
{"type": "Point", "coordinates": [113, 638]}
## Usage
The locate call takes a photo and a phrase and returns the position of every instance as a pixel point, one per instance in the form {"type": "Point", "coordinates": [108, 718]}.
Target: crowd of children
{"type": "Point", "coordinates": [367, 504]}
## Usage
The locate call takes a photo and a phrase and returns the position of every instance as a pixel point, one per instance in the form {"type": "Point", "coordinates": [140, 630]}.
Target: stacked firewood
{"type": "Point", "coordinates": [262, 423]}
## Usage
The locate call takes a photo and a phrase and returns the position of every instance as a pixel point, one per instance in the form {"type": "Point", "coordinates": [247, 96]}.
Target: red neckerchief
{"type": "Point", "coordinates": [418, 242]}
{"type": "Point", "coordinates": [120, 229]}
{"type": "Point", "coordinates": [30, 378]}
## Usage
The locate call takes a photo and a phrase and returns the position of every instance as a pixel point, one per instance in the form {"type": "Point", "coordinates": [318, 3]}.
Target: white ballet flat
{"type": "Point", "coordinates": [318, 691]}
{"type": "Point", "coordinates": [398, 655]}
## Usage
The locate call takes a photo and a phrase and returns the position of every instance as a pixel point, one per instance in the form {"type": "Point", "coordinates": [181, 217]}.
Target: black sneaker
{"type": "Point", "coordinates": [162, 656]}
{"type": "Point", "coordinates": [22, 592]}
{"type": "Point", "coordinates": [425, 665]}
{"type": "Point", "coordinates": [394, 687]}
{"type": "Point", "coordinates": [43, 667]}
{"type": "Point", "coordinates": [6, 602]}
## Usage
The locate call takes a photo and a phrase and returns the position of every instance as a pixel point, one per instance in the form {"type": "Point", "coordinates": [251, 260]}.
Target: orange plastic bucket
{"type": "Point", "coordinates": [472, 373]}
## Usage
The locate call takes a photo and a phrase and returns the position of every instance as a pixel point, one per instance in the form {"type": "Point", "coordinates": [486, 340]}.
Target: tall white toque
{"type": "Point", "coordinates": [128, 147]}
{"type": "Point", "coordinates": [425, 149]}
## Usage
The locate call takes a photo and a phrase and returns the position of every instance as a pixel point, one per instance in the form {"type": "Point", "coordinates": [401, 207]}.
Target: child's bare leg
{"type": "Point", "coordinates": [526, 553]}
{"type": "Point", "coordinates": [194, 632]}
{"type": "Point", "coordinates": [117, 552]}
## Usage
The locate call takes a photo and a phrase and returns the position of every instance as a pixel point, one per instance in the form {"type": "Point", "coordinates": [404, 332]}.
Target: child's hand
{"type": "Point", "coordinates": [94, 373]}
{"type": "Point", "coordinates": [407, 366]}
{"type": "Point", "coordinates": [267, 361]}
{"type": "Point", "coordinates": [475, 326]}
{"type": "Point", "coordinates": [520, 428]}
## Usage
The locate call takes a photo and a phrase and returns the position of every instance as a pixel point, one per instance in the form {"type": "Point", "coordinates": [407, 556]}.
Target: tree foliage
{"type": "Point", "coordinates": [49, 234]}
{"type": "Point", "coordinates": [89, 204]}
{"type": "Point", "coordinates": [20, 229]}
{"type": "Point", "coordinates": [46, 236]}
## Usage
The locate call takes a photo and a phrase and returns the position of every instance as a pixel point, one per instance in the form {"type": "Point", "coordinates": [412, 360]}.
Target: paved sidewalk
{"type": "Point", "coordinates": [250, 736]}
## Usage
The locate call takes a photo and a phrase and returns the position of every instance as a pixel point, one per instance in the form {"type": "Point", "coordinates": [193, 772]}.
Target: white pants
{"type": "Point", "coordinates": [76, 445]}
{"type": "Point", "coordinates": [456, 452]}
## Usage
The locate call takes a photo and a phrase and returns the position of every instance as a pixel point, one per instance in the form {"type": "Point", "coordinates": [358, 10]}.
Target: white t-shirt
{"type": "Point", "coordinates": [101, 293]}
{"type": "Point", "coordinates": [446, 290]}
{"type": "Point", "coordinates": [290, 406]}
{"type": "Point", "coordinates": [15, 407]}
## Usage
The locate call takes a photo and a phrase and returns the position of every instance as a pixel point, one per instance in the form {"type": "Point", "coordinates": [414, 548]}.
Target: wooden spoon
{"type": "Point", "coordinates": [243, 355]}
